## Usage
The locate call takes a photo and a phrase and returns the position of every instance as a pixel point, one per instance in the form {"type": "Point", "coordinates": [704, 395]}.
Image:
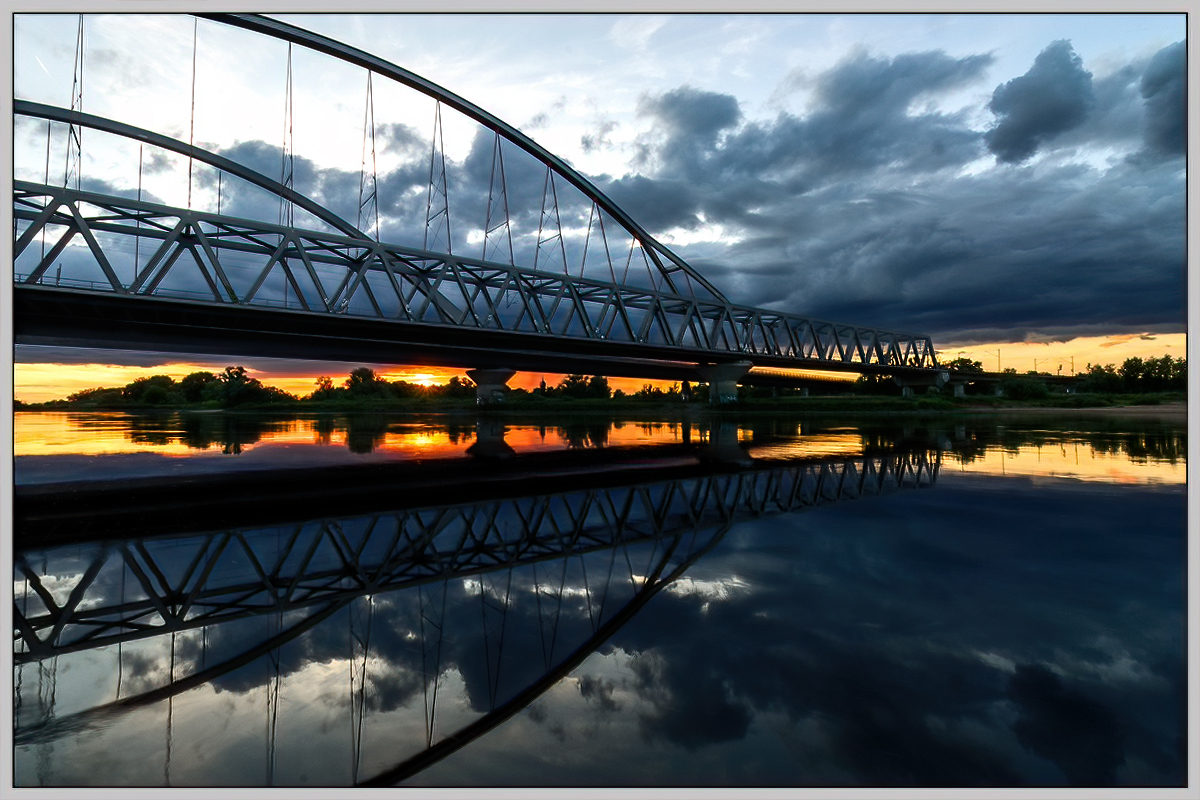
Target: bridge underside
{"type": "Point", "coordinates": [46, 315]}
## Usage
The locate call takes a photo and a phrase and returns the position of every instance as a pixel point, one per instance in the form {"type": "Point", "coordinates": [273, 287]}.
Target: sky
{"type": "Point", "coordinates": [1012, 186]}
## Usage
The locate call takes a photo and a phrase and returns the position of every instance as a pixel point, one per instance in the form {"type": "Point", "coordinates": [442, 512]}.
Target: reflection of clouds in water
{"type": "Point", "coordinates": [936, 639]}
{"type": "Point", "coordinates": [1063, 724]}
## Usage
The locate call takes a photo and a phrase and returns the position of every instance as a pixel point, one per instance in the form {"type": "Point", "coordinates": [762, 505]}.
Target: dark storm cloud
{"type": "Point", "coordinates": [395, 137]}
{"type": "Point", "coordinates": [1164, 87]}
{"type": "Point", "coordinates": [1054, 96]}
{"type": "Point", "coordinates": [860, 211]}
{"type": "Point", "coordinates": [101, 186]}
{"type": "Point", "coordinates": [740, 173]}
{"type": "Point", "coordinates": [691, 112]}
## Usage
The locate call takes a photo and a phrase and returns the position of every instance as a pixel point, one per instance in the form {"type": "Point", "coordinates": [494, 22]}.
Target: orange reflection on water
{"type": "Point", "coordinates": [1068, 460]}
{"type": "Point", "coordinates": [72, 434]}
{"type": "Point", "coordinates": [825, 445]}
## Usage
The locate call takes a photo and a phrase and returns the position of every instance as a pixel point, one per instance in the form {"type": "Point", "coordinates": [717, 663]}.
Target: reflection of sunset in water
{"type": "Point", "coordinates": [824, 445]}
{"type": "Point", "coordinates": [85, 435]}
{"type": "Point", "coordinates": [1077, 460]}
{"type": "Point", "coordinates": [1111, 458]}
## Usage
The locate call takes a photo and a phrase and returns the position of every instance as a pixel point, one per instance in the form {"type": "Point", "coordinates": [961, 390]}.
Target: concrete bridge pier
{"type": "Point", "coordinates": [490, 384]}
{"type": "Point", "coordinates": [934, 380]}
{"type": "Point", "coordinates": [722, 380]}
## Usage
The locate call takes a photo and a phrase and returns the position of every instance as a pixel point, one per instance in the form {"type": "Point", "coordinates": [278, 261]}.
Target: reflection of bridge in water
{"type": "Point", "coordinates": [512, 593]}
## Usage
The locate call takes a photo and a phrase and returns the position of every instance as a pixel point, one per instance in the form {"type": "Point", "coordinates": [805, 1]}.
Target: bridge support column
{"type": "Point", "coordinates": [929, 379]}
{"type": "Point", "coordinates": [490, 384]}
{"type": "Point", "coordinates": [960, 388]}
{"type": "Point", "coordinates": [722, 380]}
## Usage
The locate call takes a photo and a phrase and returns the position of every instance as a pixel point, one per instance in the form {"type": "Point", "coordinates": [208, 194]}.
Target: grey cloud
{"type": "Point", "coordinates": [693, 112]}
{"type": "Point", "coordinates": [853, 214]}
{"type": "Point", "coordinates": [1054, 96]}
{"type": "Point", "coordinates": [861, 124]}
{"type": "Point", "coordinates": [157, 163]}
{"type": "Point", "coordinates": [592, 142]}
{"type": "Point", "coordinates": [1164, 88]}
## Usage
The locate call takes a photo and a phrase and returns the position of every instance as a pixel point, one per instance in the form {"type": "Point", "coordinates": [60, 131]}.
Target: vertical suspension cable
{"type": "Point", "coordinates": [120, 662]}
{"type": "Point", "coordinates": [137, 239]}
{"type": "Point", "coordinates": [286, 207]}
{"type": "Point", "coordinates": [368, 197]}
{"type": "Point", "coordinates": [47, 182]}
{"type": "Point", "coordinates": [216, 235]}
{"type": "Point", "coordinates": [75, 132]}
{"type": "Point", "coordinates": [286, 167]}
{"type": "Point", "coordinates": [437, 183]}
{"type": "Point", "coordinates": [192, 128]}
{"type": "Point", "coordinates": [170, 716]}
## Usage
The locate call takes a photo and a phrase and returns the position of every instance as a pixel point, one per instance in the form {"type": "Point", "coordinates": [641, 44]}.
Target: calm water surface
{"type": "Point", "coordinates": [459, 602]}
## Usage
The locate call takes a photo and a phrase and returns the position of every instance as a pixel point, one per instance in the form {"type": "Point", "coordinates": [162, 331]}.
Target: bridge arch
{"type": "Point", "coordinates": [370, 300]}
{"type": "Point", "coordinates": [670, 264]}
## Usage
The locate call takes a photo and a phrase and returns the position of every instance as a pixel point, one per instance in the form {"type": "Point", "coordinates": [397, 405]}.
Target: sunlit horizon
{"type": "Point", "coordinates": [39, 382]}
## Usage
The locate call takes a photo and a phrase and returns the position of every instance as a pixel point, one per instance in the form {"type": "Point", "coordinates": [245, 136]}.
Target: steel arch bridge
{"type": "Point", "coordinates": [565, 280]}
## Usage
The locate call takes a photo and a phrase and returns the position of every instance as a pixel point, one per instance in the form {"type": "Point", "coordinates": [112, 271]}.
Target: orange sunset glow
{"type": "Point", "coordinates": [37, 382]}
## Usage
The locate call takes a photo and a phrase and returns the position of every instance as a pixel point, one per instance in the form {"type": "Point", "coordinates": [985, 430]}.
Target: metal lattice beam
{"type": "Point", "coordinates": [357, 276]}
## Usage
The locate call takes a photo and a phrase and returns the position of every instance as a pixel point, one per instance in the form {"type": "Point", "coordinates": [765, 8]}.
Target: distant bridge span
{"type": "Point", "coordinates": [148, 276]}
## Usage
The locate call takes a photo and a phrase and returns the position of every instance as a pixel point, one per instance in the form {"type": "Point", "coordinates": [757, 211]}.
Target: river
{"type": "Point", "coordinates": [223, 599]}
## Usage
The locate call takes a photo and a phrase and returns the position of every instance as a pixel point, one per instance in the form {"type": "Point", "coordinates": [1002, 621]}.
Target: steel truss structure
{"type": "Point", "coordinates": [642, 296]}
{"type": "Point", "coordinates": [355, 276]}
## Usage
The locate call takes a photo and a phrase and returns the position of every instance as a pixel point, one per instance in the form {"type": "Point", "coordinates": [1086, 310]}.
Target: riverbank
{"type": "Point", "coordinates": [1172, 406]}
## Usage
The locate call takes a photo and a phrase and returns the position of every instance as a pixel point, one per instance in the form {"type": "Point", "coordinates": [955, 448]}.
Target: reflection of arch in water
{"type": "Point", "coordinates": [316, 571]}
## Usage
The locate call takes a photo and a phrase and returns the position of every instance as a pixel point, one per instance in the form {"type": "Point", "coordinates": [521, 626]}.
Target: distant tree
{"type": "Point", "coordinates": [363, 383]}
{"type": "Point", "coordinates": [1023, 387]}
{"type": "Point", "coordinates": [325, 389]}
{"type": "Point", "coordinates": [404, 389]}
{"type": "Point", "coordinates": [964, 364]}
{"type": "Point", "coordinates": [1099, 378]}
{"type": "Point", "coordinates": [1131, 374]}
{"type": "Point", "coordinates": [98, 396]}
{"type": "Point", "coordinates": [458, 388]}
{"type": "Point", "coordinates": [597, 387]}
{"type": "Point", "coordinates": [234, 387]}
{"type": "Point", "coordinates": [192, 386]}
{"type": "Point", "coordinates": [876, 385]}
{"type": "Point", "coordinates": [139, 390]}
{"type": "Point", "coordinates": [649, 392]}
{"type": "Point", "coordinates": [573, 386]}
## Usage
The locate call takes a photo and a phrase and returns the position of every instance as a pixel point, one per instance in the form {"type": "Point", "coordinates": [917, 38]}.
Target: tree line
{"type": "Point", "coordinates": [235, 387]}
{"type": "Point", "coordinates": [1135, 376]}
